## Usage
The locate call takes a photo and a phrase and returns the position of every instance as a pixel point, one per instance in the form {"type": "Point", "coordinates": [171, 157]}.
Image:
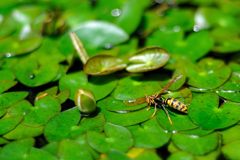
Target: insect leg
{"type": "Point", "coordinates": [149, 104]}
{"type": "Point", "coordinates": [155, 110]}
{"type": "Point", "coordinates": [163, 106]}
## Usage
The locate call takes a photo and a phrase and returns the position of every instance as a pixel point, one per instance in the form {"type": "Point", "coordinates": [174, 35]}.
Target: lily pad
{"type": "Point", "coordinates": [196, 145]}
{"type": "Point", "coordinates": [231, 150]}
{"type": "Point", "coordinates": [52, 147]}
{"type": "Point", "coordinates": [229, 95]}
{"type": "Point", "coordinates": [5, 85]}
{"type": "Point", "coordinates": [118, 106]}
{"type": "Point", "coordinates": [208, 74]}
{"type": "Point", "coordinates": [33, 75]}
{"type": "Point", "coordinates": [116, 155]}
{"type": "Point", "coordinates": [3, 141]}
{"type": "Point", "coordinates": [22, 131]}
{"type": "Point", "coordinates": [141, 154]}
{"type": "Point", "coordinates": [117, 137]}
{"type": "Point", "coordinates": [43, 110]}
{"type": "Point", "coordinates": [234, 131]}
{"type": "Point", "coordinates": [102, 64]}
{"type": "Point", "coordinates": [149, 134]}
{"type": "Point", "coordinates": [69, 149]}
{"type": "Point", "coordinates": [101, 86]}
{"type": "Point", "coordinates": [6, 75]}
{"type": "Point", "coordinates": [39, 154]}
{"type": "Point", "coordinates": [181, 155]}
{"type": "Point", "coordinates": [197, 132]}
{"type": "Point", "coordinates": [3, 112]}
{"type": "Point", "coordinates": [7, 26]}
{"type": "Point", "coordinates": [11, 46]}
{"type": "Point", "coordinates": [175, 44]}
{"type": "Point", "coordinates": [82, 140]}
{"type": "Point", "coordinates": [67, 120]}
{"type": "Point", "coordinates": [20, 109]}
{"type": "Point", "coordinates": [8, 124]}
{"type": "Point", "coordinates": [95, 123]}
{"type": "Point", "coordinates": [148, 59]}
{"type": "Point", "coordinates": [125, 118]}
{"type": "Point", "coordinates": [136, 86]}
{"type": "Point", "coordinates": [204, 111]}
{"type": "Point", "coordinates": [17, 149]}
{"type": "Point", "coordinates": [10, 98]}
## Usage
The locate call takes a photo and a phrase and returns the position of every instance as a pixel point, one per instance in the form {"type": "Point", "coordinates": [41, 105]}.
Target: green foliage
{"type": "Point", "coordinates": [123, 53]}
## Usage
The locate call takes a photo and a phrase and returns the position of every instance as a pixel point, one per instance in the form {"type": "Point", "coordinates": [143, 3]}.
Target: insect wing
{"type": "Point", "coordinates": [168, 85]}
{"type": "Point", "coordinates": [134, 102]}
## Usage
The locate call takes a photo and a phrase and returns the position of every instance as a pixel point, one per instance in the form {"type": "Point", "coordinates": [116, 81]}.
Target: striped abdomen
{"type": "Point", "coordinates": [176, 104]}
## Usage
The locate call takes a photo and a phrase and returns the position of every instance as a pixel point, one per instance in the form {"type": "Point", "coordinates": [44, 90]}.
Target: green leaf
{"type": "Point", "coordinates": [22, 131]}
{"type": "Point", "coordinates": [33, 74]}
{"type": "Point", "coordinates": [21, 108]}
{"type": "Point", "coordinates": [231, 150]}
{"type": "Point", "coordinates": [8, 124]}
{"type": "Point", "coordinates": [181, 155]}
{"type": "Point", "coordinates": [204, 111]}
{"type": "Point", "coordinates": [39, 154]}
{"type": "Point", "coordinates": [69, 149]}
{"type": "Point", "coordinates": [194, 144]}
{"type": "Point", "coordinates": [136, 86]}
{"type": "Point", "coordinates": [82, 140]}
{"type": "Point", "coordinates": [11, 46]}
{"type": "Point", "coordinates": [197, 132]}
{"type": "Point", "coordinates": [5, 85]}
{"type": "Point", "coordinates": [95, 123]}
{"type": "Point", "coordinates": [148, 59]}
{"type": "Point", "coordinates": [125, 118]}
{"type": "Point", "coordinates": [52, 148]}
{"type": "Point", "coordinates": [230, 134]}
{"type": "Point", "coordinates": [149, 134]}
{"type": "Point", "coordinates": [44, 109]}
{"type": "Point", "coordinates": [102, 64]}
{"type": "Point", "coordinates": [17, 149]}
{"type": "Point", "coordinates": [6, 75]}
{"type": "Point", "coordinates": [3, 141]}
{"type": "Point", "coordinates": [117, 137]}
{"type": "Point", "coordinates": [10, 98]}
{"type": "Point", "coordinates": [118, 106]}
{"type": "Point", "coordinates": [101, 86]}
{"type": "Point", "coordinates": [59, 126]}
{"type": "Point", "coordinates": [116, 155]}
{"type": "Point", "coordinates": [148, 154]}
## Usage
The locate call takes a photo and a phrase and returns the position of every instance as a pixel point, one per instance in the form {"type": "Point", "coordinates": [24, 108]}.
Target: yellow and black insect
{"type": "Point", "coordinates": [158, 101]}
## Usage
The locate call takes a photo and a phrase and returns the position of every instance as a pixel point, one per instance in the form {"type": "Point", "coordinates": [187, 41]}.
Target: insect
{"type": "Point", "coordinates": [158, 101]}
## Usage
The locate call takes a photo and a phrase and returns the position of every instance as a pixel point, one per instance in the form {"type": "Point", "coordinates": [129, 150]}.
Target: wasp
{"type": "Point", "coordinates": [158, 101]}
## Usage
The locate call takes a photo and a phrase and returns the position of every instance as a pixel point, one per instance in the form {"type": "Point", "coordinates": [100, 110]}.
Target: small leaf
{"type": "Point", "coordinates": [231, 150]}
{"type": "Point", "coordinates": [194, 144]}
{"type": "Point", "coordinates": [8, 124]}
{"type": "Point", "coordinates": [33, 75]}
{"type": "Point", "coordinates": [181, 155]}
{"type": "Point", "coordinates": [102, 64]}
{"type": "Point", "coordinates": [148, 59]}
{"type": "Point", "coordinates": [5, 85]}
{"type": "Point", "coordinates": [118, 138]}
{"type": "Point", "coordinates": [234, 131]}
{"type": "Point", "coordinates": [39, 154]}
{"type": "Point", "coordinates": [69, 149]}
{"type": "Point", "coordinates": [17, 149]}
{"type": "Point", "coordinates": [10, 98]}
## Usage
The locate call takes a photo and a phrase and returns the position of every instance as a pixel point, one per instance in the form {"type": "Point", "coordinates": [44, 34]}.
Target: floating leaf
{"type": "Point", "coordinates": [231, 150]}
{"type": "Point", "coordinates": [10, 98]}
{"type": "Point", "coordinates": [17, 149]}
{"type": "Point", "coordinates": [8, 124]}
{"type": "Point", "coordinates": [117, 155]}
{"type": "Point", "coordinates": [69, 149]}
{"type": "Point", "coordinates": [228, 94]}
{"type": "Point", "coordinates": [197, 132]}
{"type": "Point", "coordinates": [181, 155]}
{"type": "Point", "coordinates": [125, 118]}
{"type": "Point", "coordinates": [230, 134]}
{"type": "Point", "coordinates": [102, 64]}
{"type": "Point", "coordinates": [11, 46]}
{"type": "Point", "coordinates": [33, 75]}
{"type": "Point", "coordinates": [173, 42]}
{"type": "Point", "coordinates": [43, 110]}
{"type": "Point", "coordinates": [136, 86]}
{"type": "Point", "coordinates": [204, 111]}
{"type": "Point", "coordinates": [5, 85]}
{"type": "Point", "coordinates": [3, 112]}
{"type": "Point", "coordinates": [101, 86]}
{"type": "Point", "coordinates": [118, 137]}
{"type": "Point", "coordinates": [149, 134]}
{"type": "Point", "coordinates": [22, 131]}
{"type": "Point", "coordinates": [52, 147]}
{"type": "Point", "coordinates": [67, 120]}
{"type": "Point", "coordinates": [3, 141]}
{"type": "Point", "coordinates": [39, 154]}
{"type": "Point", "coordinates": [118, 106]}
{"type": "Point", "coordinates": [82, 140]}
{"type": "Point", "coordinates": [148, 59]}
{"type": "Point", "coordinates": [6, 75]}
{"type": "Point", "coordinates": [20, 109]}
{"type": "Point", "coordinates": [194, 144]}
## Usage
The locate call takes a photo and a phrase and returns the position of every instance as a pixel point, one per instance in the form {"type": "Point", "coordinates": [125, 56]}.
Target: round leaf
{"type": "Point", "coordinates": [230, 134]}
{"type": "Point", "coordinates": [10, 98]}
{"type": "Point", "coordinates": [39, 154]}
{"type": "Point", "coordinates": [149, 134]}
{"type": "Point", "coordinates": [148, 59]}
{"type": "Point", "coordinates": [117, 137]}
{"type": "Point", "coordinates": [231, 150]}
{"type": "Point", "coordinates": [33, 75]}
{"type": "Point", "coordinates": [194, 144]}
{"type": "Point", "coordinates": [5, 85]}
{"type": "Point", "coordinates": [8, 124]}
{"type": "Point", "coordinates": [103, 64]}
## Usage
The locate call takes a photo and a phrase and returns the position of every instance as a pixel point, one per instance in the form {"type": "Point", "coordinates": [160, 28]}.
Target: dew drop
{"type": "Point", "coordinates": [31, 76]}
{"type": "Point", "coordinates": [176, 29]}
{"type": "Point", "coordinates": [116, 12]}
